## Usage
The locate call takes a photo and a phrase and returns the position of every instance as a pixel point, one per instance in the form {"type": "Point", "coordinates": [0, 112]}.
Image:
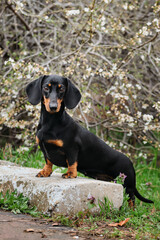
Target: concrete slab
{"type": "Point", "coordinates": [55, 194]}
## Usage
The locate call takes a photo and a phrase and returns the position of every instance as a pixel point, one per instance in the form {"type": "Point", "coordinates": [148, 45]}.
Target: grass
{"type": "Point", "coordinates": [17, 203]}
{"type": "Point", "coordinates": [144, 221]}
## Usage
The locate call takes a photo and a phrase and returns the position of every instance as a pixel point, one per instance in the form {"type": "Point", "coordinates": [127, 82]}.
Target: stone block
{"type": "Point", "coordinates": [55, 194]}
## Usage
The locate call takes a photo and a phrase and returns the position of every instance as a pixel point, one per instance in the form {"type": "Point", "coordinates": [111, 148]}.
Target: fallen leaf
{"type": "Point", "coordinates": [55, 224]}
{"type": "Point", "coordinates": [122, 223]}
{"type": "Point", "coordinates": [113, 224]}
{"type": "Point", "coordinates": [29, 230]}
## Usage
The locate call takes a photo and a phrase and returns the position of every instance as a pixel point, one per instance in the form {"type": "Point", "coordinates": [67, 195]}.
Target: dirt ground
{"type": "Point", "coordinates": [15, 227]}
{"type": "Point", "coordinates": [21, 226]}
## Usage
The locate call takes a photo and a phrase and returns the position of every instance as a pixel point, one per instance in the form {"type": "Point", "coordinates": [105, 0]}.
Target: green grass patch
{"type": "Point", "coordinates": [17, 203]}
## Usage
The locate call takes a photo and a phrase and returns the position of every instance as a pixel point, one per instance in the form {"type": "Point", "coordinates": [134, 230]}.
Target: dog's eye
{"type": "Point", "coordinates": [60, 89]}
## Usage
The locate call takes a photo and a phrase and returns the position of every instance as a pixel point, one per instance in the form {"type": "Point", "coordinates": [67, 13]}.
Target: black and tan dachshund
{"type": "Point", "coordinates": [67, 144]}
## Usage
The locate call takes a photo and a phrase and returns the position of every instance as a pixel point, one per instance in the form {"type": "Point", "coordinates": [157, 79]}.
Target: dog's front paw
{"type": "Point", "coordinates": [71, 172]}
{"type": "Point", "coordinates": [44, 173]}
{"type": "Point", "coordinates": [69, 175]}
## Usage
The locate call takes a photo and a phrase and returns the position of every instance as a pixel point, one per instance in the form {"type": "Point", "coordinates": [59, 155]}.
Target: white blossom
{"type": "Point", "coordinates": [23, 149]}
{"type": "Point", "coordinates": [86, 9]}
{"type": "Point", "coordinates": [3, 90]}
{"type": "Point", "coordinates": [121, 144]}
{"type": "Point", "coordinates": [73, 12]}
{"type": "Point", "coordinates": [142, 57]}
{"type": "Point", "coordinates": [144, 106]}
{"type": "Point", "coordinates": [126, 118]}
{"type": "Point", "coordinates": [149, 23]}
{"type": "Point", "coordinates": [156, 21]}
{"type": "Point", "coordinates": [111, 144]}
{"type": "Point", "coordinates": [125, 6]}
{"type": "Point", "coordinates": [103, 21]}
{"type": "Point", "coordinates": [19, 136]}
{"type": "Point", "coordinates": [129, 133]}
{"type": "Point", "coordinates": [139, 114]}
{"type": "Point", "coordinates": [129, 85]}
{"type": "Point", "coordinates": [147, 118]}
{"type": "Point", "coordinates": [157, 106]}
{"type": "Point", "coordinates": [19, 4]}
{"type": "Point", "coordinates": [4, 114]}
{"type": "Point", "coordinates": [88, 107]}
{"type": "Point", "coordinates": [138, 86]}
{"type": "Point", "coordinates": [107, 1]}
{"type": "Point", "coordinates": [139, 40]}
{"type": "Point", "coordinates": [144, 31]}
{"type": "Point", "coordinates": [131, 7]}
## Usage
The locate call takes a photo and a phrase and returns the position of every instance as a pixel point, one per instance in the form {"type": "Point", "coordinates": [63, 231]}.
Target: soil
{"type": "Point", "coordinates": [15, 227]}
{"type": "Point", "coordinates": [21, 226]}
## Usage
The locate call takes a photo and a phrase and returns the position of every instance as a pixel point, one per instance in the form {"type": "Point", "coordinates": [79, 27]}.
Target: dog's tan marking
{"type": "Point", "coordinates": [46, 171]}
{"type": "Point", "coordinates": [56, 142]}
{"type": "Point", "coordinates": [71, 172]}
{"type": "Point", "coordinates": [59, 101]}
{"type": "Point", "coordinates": [37, 140]}
{"type": "Point", "coordinates": [46, 103]}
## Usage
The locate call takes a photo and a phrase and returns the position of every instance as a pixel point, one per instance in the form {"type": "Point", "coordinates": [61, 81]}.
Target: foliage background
{"type": "Point", "coordinates": [108, 48]}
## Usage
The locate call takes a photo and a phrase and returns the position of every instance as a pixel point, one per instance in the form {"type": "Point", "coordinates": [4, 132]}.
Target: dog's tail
{"type": "Point", "coordinates": [139, 196]}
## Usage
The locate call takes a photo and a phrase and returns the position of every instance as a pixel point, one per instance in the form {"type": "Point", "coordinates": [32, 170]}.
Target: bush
{"type": "Point", "coordinates": [108, 48]}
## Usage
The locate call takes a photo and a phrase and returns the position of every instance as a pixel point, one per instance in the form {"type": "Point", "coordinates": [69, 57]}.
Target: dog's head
{"type": "Point", "coordinates": [52, 90]}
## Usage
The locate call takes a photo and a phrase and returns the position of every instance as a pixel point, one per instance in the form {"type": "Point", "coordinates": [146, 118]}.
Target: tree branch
{"type": "Point", "coordinates": [18, 16]}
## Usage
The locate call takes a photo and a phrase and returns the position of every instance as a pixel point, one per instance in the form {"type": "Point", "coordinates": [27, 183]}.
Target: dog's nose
{"type": "Point", "coordinates": [53, 106]}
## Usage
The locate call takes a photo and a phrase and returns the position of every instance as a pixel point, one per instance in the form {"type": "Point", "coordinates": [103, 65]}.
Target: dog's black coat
{"type": "Point", "coordinates": [94, 157]}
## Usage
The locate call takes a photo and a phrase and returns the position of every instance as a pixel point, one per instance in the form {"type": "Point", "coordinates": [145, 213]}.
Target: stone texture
{"type": "Point", "coordinates": [55, 194]}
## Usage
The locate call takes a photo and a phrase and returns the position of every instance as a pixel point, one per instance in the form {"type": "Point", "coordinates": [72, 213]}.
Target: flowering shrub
{"type": "Point", "coordinates": [109, 49]}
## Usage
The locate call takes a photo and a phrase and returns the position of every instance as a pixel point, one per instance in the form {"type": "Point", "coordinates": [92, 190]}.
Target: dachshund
{"type": "Point", "coordinates": [65, 143]}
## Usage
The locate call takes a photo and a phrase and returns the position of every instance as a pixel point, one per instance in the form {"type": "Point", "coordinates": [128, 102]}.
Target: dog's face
{"type": "Point", "coordinates": [52, 90]}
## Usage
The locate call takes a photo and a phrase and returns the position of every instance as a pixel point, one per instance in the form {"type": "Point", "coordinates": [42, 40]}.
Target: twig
{"type": "Point", "coordinates": [27, 27]}
{"type": "Point", "coordinates": [91, 20]}
{"type": "Point", "coordinates": [19, 16]}
{"type": "Point", "coordinates": [102, 57]}
{"type": "Point", "coordinates": [88, 19]}
{"type": "Point", "coordinates": [134, 49]}
{"type": "Point", "coordinates": [83, 115]}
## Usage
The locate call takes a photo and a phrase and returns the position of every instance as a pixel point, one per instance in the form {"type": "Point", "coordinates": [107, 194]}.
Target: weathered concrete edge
{"type": "Point", "coordinates": [55, 194]}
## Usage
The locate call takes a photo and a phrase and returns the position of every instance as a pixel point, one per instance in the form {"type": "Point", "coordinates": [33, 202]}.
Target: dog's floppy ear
{"type": "Point", "coordinates": [72, 95]}
{"type": "Point", "coordinates": [34, 91]}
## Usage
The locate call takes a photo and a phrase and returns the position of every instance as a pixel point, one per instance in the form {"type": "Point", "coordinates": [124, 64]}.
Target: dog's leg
{"type": "Point", "coordinates": [131, 201]}
{"type": "Point", "coordinates": [46, 171]}
{"type": "Point", "coordinates": [71, 172]}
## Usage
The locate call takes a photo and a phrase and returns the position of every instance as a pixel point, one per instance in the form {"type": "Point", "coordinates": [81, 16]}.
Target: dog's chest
{"type": "Point", "coordinates": [51, 135]}
{"type": "Point", "coordinates": [54, 152]}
